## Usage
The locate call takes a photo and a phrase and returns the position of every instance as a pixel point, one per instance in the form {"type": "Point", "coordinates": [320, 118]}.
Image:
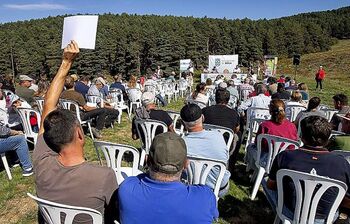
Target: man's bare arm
{"type": "Point", "coordinates": [56, 86]}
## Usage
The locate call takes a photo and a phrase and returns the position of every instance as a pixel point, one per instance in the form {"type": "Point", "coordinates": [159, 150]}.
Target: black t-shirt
{"type": "Point", "coordinates": [285, 95]}
{"type": "Point", "coordinates": [221, 115]}
{"type": "Point", "coordinates": [159, 115]}
{"type": "Point", "coordinates": [325, 163]}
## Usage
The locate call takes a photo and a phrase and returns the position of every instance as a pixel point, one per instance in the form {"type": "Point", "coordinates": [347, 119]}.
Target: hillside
{"type": "Point", "coordinates": [336, 63]}
{"type": "Point", "coordinates": [133, 44]}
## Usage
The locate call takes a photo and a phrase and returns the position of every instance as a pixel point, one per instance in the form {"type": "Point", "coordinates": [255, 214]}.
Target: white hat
{"type": "Point", "coordinates": [223, 85]}
{"type": "Point", "coordinates": [25, 78]}
{"type": "Point", "coordinates": [147, 98]}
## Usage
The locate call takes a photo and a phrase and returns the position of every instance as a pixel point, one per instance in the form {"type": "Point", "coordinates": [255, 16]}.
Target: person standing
{"type": "Point", "coordinates": [319, 77]}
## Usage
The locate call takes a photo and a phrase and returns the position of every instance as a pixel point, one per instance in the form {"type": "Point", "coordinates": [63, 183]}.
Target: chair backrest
{"type": "Point", "coordinates": [329, 113]}
{"type": "Point", "coordinates": [25, 114]}
{"type": "Point", "coordinates": [72, 106]}
{"type": "Point", "coordinates": [150, 88]}
{"type": "Point", "coordinates": [244, 94]}
{"type": "Point", "coordinates": [4, 117]}
{"type": "Point", "coordinates": [148, 128]}
{"type": "Point", "coordinates": [178, 126]}
{"type": "Point", "coordinates": [199, 169]}
{"type": "Point", "coordinates": [309, 190]}
{"type": "Point", "coordinates": [292, 112]}
{"type": "Point", "coordinates": [95, 100]}
{"type": "Point", "coordinates": [113, 154]}
{"type": "Point", "coordinates": [7, 92]}
{"type": "Point", "coordinates": [199, 103]}
{"type": "Point", "coordinates": [257, 112]}
{"type": "Point", "coordinates": [224, 131]}
{"type": "Point", "coordinates": [40, 103]}
{"type": "Point", "coordinates": [116, 96]}
{"type": "Point", "coordinates": [51, 212]}
{"type": "Point", "coordinates": [134, 94]}
{"type": "Point", "coordinates": [276, 145]}
{"type": "Point", "coordinates": [183, 84]}
{"type": "Point", "coordinates": [253, 128]}
{"type": "Point", "coordinates": [233, 102]}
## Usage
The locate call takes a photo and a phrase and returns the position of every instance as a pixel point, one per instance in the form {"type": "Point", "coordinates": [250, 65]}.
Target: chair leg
{"type": "Point", "coordinates": [92, 135]}
{"type": "Point", "coordinates": [257, 183]}
{"type": "Point", "coordinates": [277, 220]}
{"type": "Point", "coordinates": [142, 157]}
{"type": "Point", "coordinates": [6, 165]}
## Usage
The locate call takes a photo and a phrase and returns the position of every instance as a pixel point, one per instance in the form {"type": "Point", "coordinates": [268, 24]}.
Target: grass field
{"type": "Point", "coordinates": [236, 207]}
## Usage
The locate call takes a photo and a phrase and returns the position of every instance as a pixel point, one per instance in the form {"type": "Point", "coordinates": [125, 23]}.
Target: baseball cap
{"type": "Point", "coordinates": [147, 98]}
{"type": "Point", "coordinates": [190, 112]}
{"type": "Point", "coordinates": [168, 153]}
{"type": "Point", "coordinates": [25, 78]}
{"type": "Point", "coordinates": [101, 80]}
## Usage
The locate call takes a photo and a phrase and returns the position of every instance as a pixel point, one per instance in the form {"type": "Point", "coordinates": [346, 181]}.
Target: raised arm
{"type": "Point", "coordinates": [56, 86]}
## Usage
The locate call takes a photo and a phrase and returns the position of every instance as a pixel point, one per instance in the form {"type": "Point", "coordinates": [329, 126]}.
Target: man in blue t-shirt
{"type": "Point", "coordinates": [209, 144]}
{"type": "Point", "coordinates": [159, 196]}
{"type": "Point", "coordinates": [315, 132]}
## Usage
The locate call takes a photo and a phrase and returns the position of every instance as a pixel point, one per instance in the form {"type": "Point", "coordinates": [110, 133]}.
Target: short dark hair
{"type": "Point", "coordinates": [222, 96]}
{"type": "Point", "coordinates": [342, 98]}
{"type": "Point", "coordinates": [314, 102]}
{"type": "Point", "coordinates": [59, 128]}
{"type": "Point", "coordinates": [85, 78]}
{"type": "Point", "coordinates": [315, 130]}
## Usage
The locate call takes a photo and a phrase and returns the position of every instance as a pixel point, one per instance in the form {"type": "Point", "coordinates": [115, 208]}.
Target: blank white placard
{"type": "Point", "coordinates": [81, 29]}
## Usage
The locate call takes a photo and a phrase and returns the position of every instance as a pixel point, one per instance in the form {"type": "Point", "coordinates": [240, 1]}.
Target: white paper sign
{"type": "Point", "coordinates": [81, 29]}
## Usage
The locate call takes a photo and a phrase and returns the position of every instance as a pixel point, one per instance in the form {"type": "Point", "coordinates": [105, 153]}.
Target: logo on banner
{"type": "Point", "coordinates": [217, 62]}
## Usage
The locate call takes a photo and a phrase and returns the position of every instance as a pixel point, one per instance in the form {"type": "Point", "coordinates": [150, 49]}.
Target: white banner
{"type": "Point", "coordinates": [186, 64]}
{"type": "Point", "coordinates": [223, 63]}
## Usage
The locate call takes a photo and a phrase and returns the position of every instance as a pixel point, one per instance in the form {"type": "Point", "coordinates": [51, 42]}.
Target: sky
{"type": "Point", "coordinates": [19, 10]}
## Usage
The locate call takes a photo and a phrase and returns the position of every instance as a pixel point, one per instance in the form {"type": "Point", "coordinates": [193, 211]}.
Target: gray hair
{"type": "Point", "coordinates": [191, 124]}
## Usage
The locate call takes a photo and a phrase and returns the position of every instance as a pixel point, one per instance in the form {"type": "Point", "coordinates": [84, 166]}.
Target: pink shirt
{"type": "Point", "coordinates": [285, 130]}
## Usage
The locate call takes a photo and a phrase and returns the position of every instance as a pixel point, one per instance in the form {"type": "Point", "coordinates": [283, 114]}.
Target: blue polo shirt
{"type": "Point", "coordinates": [143, 200]}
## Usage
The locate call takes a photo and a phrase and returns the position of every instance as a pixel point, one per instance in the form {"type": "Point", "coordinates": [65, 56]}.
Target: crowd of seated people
{"type": "Point", "coordinates": [154, 196]}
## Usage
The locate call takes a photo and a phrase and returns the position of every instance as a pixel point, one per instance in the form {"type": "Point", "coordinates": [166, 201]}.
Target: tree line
{"type": "Point", "coordinates": [135, 44]}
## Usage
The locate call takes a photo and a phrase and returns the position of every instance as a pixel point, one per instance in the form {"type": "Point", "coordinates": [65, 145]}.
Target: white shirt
{"type": "Point", "coordinates": [260, 100]}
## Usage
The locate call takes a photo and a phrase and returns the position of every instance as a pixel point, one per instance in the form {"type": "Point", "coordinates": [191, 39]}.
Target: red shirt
{"type": "Point", "coordinates": [286, 130]}
{"type": "Point", "coordinates": [320, 74]}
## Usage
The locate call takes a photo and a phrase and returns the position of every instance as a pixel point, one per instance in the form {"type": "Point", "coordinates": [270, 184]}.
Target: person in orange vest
{"type": "Point", "coordinates": [319, 77]}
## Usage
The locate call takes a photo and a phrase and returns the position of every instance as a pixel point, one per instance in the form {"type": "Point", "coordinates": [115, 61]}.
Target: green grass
{"type": "Point", "coordinates": [236, 207]}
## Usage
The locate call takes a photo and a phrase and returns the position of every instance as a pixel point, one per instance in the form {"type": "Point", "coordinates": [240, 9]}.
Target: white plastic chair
{"type": "Point", "coordinates": [252, 130]}
{"type": "Point", "coordinates": [292, 112]}
{"type": "Point", "coordinates": [73, 106]}
{"type": "Point", "coordinates": [244, 94]}
{"type": "Point", "coordinates": [329, 113]}
{"type": "Point", "coordinates": [117, 100]}
{"type": "Point", "coordinates": [6, 165]}
{"type": "Point", "coordinates": [224, 131]}
{"type": "Point", "coordinates": [4, 117]}
{"type": "Point", "coordinates": [95, 101]}
{"type": "Point", "coordinates": [254, 112]}
{"type": "Point", "coordinates": [113, 154]}
{"type": "Point", "coordinates": [309, 190]}
{"type": "Point", "coordinates": [40, 103]}
{"type": "Point", "coordinates": [276, 145]}
{"type": "Point", "coordinates": [233, 102]}
{"type": "Point", "coordinates": [199, 169]}
{"type": "Point", "coordinates": [8, 92]}
{"type": "Point", "coordinates": [147, 128]}
{"type": "Point", "coordinates": [178, 126]}
{"type": "Point", "coordinates": [134, 95]}
{"type": "Point", "coordinates": [25, 114]}
{"type": "Point", "coordinates": [51, 212]}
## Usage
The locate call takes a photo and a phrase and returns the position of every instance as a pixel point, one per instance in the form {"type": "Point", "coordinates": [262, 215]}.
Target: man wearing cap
{"type": "Point", "coordinates": [23, 90]}
{"type": "Point", "coordinates": [148, 110]}
{"type": "Point", "coordinates": [159, 196]}
{"type": "Point", "coordinates": [205, 144]}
